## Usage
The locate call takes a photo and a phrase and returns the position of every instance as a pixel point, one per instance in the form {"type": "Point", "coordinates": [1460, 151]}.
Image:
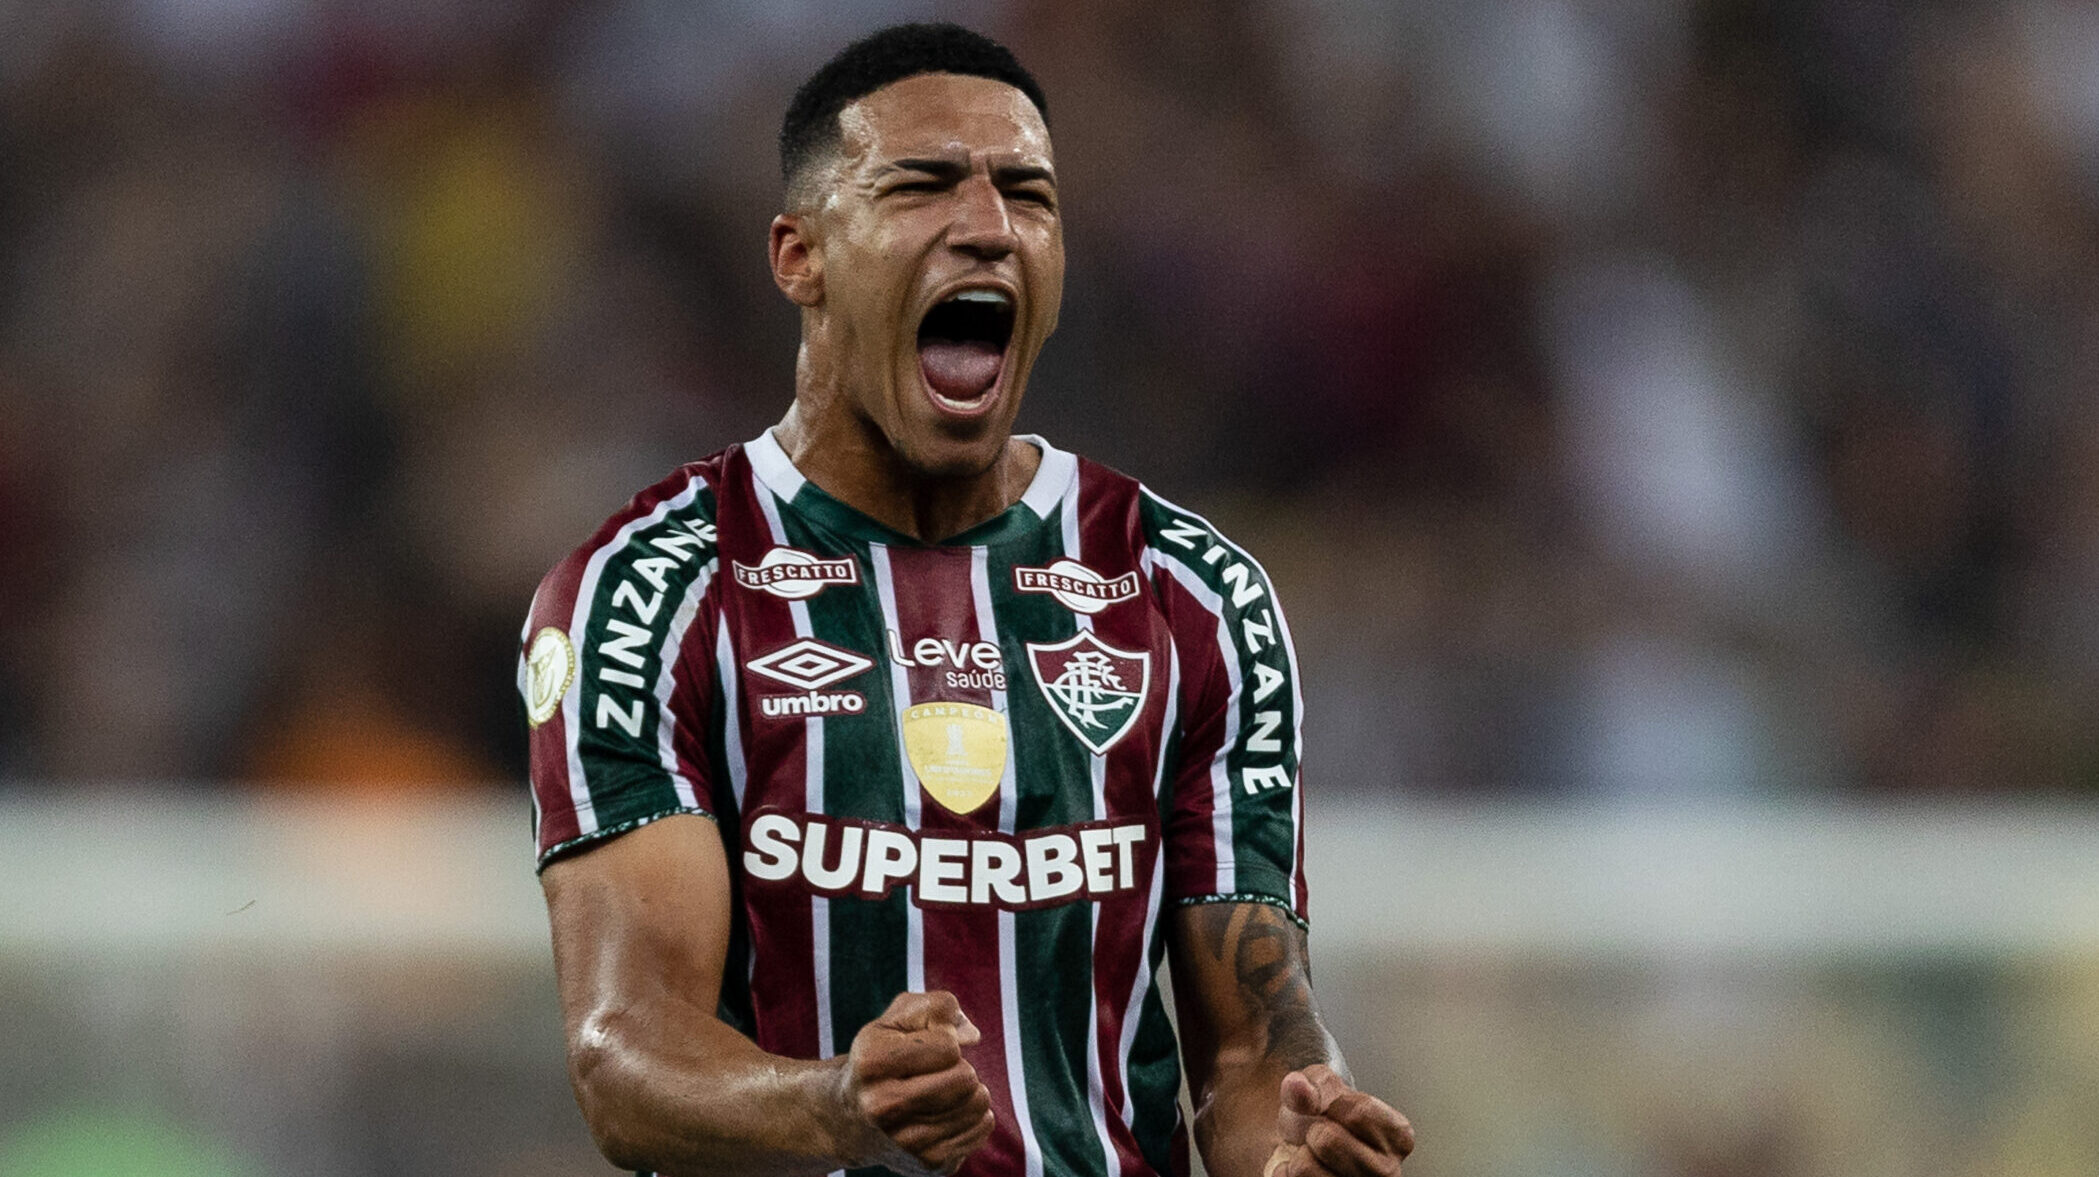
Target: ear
{"type": "Point", "coordinates": [797, 259]}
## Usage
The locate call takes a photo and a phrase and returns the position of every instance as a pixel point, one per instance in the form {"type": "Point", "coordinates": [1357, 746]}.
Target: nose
{"type": "Point", "coordinates": [982, 229]}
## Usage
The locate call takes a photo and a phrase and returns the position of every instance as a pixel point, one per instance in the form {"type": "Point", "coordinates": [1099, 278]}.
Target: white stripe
{"type": "Point", "coordinates": [732, 713]}
{"type": "Point", "coordinates": [987, 630]}
{"type": "Point", "coordinates": [1008, 955]}
{"type": "Point", "coordinates": [900, 694]}
{"type": "Point", "coordinates": [579, 620]}
{"type": "Point", "coordinates": [666, 722]}
{"type": "Point", "coordinates": [812, 802]}
{"type": "Point", "coordinates": [1297, 736]}
{"type": "Point", "coordinates": [1220, 781]}
{"type": "Point", "coordinates": [1146, 978]}
{"type": "Point", "coordinates": [1096, 1091]}
{"type": "Point", "coordinates": [732, 743]}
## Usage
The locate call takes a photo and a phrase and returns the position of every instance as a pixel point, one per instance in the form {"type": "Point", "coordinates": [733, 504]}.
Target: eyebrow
{"type": "Point", "coordinates": [953, 170]}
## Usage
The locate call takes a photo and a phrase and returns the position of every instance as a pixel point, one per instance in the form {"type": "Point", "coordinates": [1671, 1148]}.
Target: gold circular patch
{"type": "Point", "coordinates": [550, 668]}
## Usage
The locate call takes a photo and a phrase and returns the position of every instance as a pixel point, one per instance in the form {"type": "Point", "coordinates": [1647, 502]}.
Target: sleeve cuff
{"type": "Point", "coordinates": [564, 849]}
{"type": "Point", "coordinates": [1275, 901]}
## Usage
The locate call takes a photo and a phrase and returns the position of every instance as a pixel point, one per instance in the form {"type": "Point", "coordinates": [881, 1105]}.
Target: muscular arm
{"type": "Point", "coordinates": [1243, 993]}
{"type": "Point", "coordinates": [641, 928]}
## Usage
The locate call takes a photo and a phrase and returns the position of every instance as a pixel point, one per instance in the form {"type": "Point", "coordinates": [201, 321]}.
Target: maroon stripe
{"type": "Point", "coordinates": [1108, 525]}
{"type": "Point", "coordinates": [935, 599]}
{"type": "Point", "coordinates": [693, 690]}
{"type": "Point", "coordinates": [783, 985]}
{"type": "Point", "coordinates": [1191, 857]}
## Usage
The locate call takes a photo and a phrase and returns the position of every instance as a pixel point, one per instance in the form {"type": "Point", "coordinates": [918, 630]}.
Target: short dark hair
{"type": "Point", "coordinates": [811, 129]}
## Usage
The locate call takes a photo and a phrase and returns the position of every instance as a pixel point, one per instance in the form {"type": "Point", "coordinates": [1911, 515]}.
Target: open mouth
{"type": "Point", "coordinates": [962, 347]}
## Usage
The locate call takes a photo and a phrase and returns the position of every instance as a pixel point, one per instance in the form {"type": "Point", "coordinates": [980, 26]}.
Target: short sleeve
{"type": "Point", "coordinates": [1233, 823]}
{"type": "Point", "coordinates": [615, 672]}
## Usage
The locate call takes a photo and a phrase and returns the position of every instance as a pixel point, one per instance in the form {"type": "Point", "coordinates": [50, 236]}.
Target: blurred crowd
{"type": "Point", "coordinates": [1634, 400]}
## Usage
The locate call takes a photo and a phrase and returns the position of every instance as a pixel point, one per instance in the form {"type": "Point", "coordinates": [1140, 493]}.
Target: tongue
{"type": "Point", "coordinates": [959, 370]}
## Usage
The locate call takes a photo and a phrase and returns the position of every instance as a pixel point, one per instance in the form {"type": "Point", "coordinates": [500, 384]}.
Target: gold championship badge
{"type": "Point", "coordinates": [958, 750]}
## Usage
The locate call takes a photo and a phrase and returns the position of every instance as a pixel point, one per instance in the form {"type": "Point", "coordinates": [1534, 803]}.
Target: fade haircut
{"type": "Point", "coordinates": [811, 132]}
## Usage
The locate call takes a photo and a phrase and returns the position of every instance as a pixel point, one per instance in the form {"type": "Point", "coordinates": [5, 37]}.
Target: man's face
{"type": "Point", "coordinates": [942, 261]}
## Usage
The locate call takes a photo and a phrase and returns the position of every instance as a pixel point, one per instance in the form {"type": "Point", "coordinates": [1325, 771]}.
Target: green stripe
{"type": "Point", "coordinates": [862, 779]}
{"type": "Point", "coordinates": [624, 635]}
{"type": "Point", "coordinates": [1153, 1069]}
{"type": "Point", "coordinates": [735, 1005]}
{"type": "Point", "coordinates": [1264, 833]}
{"type": "Point", "coordinates": [1052, 946]}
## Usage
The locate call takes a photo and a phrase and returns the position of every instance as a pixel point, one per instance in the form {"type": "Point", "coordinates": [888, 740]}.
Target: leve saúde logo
{"type": "Point", "coordinates": [1075, 586]}
{"type": "Point", "coordinates": [795, 575]}
{"type": "Point", "coordinates": [1096, 689]}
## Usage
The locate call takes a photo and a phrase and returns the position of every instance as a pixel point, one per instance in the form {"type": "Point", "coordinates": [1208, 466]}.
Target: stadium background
{"type": "Point", "coordinates": [1671, 425]}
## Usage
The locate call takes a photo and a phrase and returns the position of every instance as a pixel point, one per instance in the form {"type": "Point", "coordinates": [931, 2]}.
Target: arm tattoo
{"type": "Point", "coordinates": [1266, 954]}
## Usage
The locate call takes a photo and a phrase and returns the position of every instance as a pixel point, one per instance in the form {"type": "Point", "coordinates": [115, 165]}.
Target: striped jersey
{"type": "Point", "coordinates": [985, 765]}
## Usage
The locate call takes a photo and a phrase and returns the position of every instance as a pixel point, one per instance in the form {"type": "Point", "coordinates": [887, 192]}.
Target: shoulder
{"type": "Point", "coordinates": [663, 537]}
{"type": "Point", "coordinates": [1183, 546]}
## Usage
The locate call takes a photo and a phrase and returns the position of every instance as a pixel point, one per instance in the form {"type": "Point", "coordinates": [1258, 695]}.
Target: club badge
{"type": "Point", "coordinates": [1096, 689]}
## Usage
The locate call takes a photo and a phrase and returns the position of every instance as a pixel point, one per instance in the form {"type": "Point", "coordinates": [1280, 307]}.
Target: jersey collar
{"type": "Point", "coordinates": [1053, 479]}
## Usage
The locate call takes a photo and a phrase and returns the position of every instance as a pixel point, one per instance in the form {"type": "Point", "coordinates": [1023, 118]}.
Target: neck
{"type": "Point", "coordinates": [852, 461]}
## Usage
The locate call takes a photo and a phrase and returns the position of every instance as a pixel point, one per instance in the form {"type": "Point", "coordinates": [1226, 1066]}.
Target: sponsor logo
{"type": "Point", "coordinates": [1267, 657]}
{"type": "Point", "coordinates": [835, 856]}
{"type": "Point", "coordinates": [971, 666]}
{"type": "Point", "coordinates": [958, 751]}
{"type": "Point", "coordinates": [550, 667]}
{"type": "Point", "coordinates": [624, 654]}
{"type": "Point", "coordinates": [1075, 586]}
{"type": "Point", "coordinates": [813, 703]}
{"type": "Point", "coordinates": [809, 665]}
{"type": "Point", "coordinates": [1096, 689]}
{"type": "Point", "coordinates": [794, 574]}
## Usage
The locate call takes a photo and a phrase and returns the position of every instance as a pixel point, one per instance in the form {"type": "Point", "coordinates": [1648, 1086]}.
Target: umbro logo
{"type": "Point", "coordinates": [809, 665]}
{"type": "Point", "coordinates": [794, 574]}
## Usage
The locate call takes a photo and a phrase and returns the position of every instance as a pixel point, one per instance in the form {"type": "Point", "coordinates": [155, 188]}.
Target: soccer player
{"type": "Point", "coordinates": [879, 761]}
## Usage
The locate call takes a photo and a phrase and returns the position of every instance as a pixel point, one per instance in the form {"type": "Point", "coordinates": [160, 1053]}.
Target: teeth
{"type": "Point", "coordinates": [960, 406]}
{"type": "Point", "coordinates": [993, 297]}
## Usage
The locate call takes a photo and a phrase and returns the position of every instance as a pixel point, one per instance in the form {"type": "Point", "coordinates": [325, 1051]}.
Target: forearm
{"type": "Point", "coordinates": [1235, 1109]}
{"type": "Point", "coordinates": [1241, 970]}
{"type": "Point", "coordinates": [675, 1091]}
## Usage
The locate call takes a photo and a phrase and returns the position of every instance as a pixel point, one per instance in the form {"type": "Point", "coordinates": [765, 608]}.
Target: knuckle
{"type": "Point", "coordinates": [879, 1104]}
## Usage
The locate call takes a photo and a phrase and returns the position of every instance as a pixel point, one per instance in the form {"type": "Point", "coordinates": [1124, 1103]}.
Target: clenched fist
{"type": "Point", "coordinates": [906, 1079]}
{"type": "Point", "coordinates": [1329, 1129]}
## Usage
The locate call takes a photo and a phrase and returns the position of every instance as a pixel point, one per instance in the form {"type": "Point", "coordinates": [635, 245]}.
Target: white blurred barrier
{"type": "Point", "coordinates": [147, 873]}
